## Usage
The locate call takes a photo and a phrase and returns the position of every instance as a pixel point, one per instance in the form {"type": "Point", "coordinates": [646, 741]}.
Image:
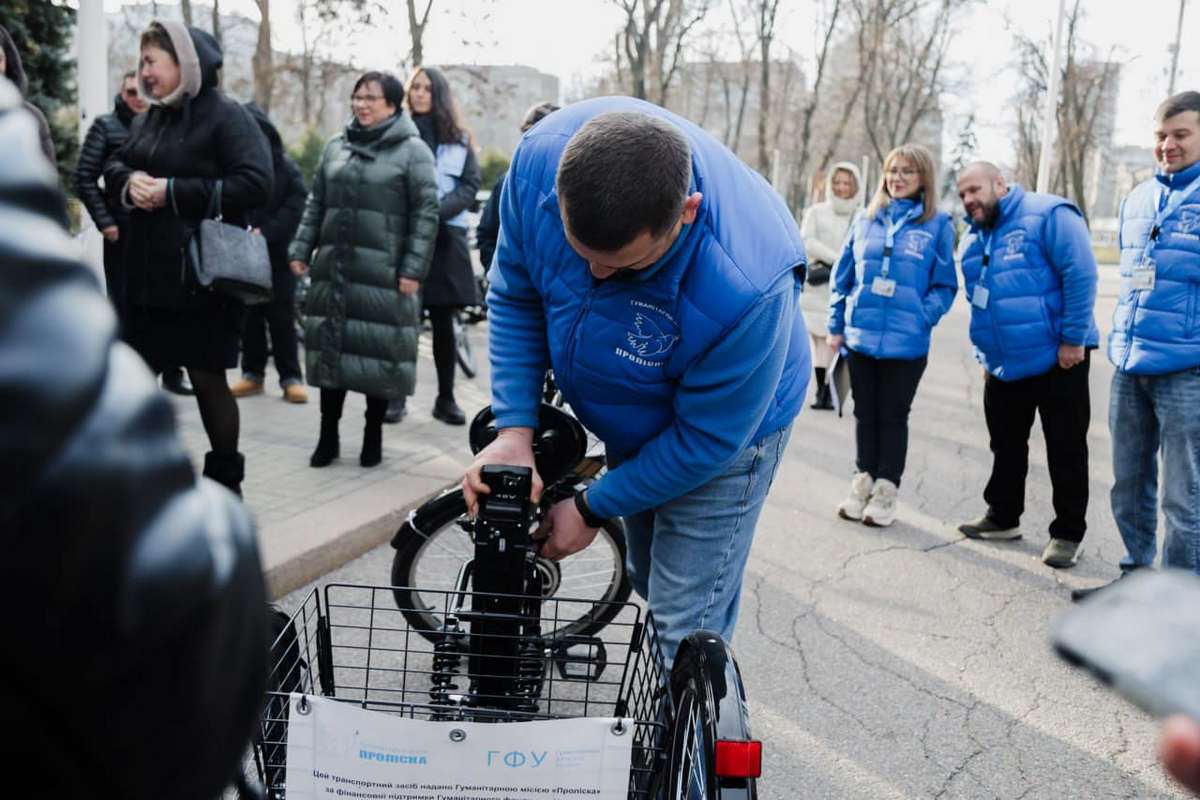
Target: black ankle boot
{"type": "Point", "coordinates": [227, 469]}
{"type": "Point", "coordinates": [328, 446]}
{"type": "Point", "coordinates": [822, 400]}
{"type": "Point", "coordinates": [372, 446]}
{"type": "Point", "coordinates": [445, 409]}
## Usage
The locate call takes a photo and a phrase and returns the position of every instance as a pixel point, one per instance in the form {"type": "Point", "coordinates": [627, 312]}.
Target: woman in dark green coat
{"type": "Point", "coordinates": [372, 218]}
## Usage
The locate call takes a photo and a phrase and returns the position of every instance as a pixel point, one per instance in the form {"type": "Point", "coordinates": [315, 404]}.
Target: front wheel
{"type": "Point", "coordinates": [432, 546]}
{"type": "Point", "coordinates": [710, 733]}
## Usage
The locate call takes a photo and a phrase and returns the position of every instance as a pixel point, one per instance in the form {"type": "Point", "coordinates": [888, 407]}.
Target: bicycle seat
{"type": "Point", "coordinates": [559, 443]}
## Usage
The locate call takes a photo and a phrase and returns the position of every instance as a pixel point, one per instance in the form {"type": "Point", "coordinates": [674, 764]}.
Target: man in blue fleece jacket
{"type": "Point", "coordinates": [658, 276]}
{"type": "Point", "coordinates": [1030, 275]}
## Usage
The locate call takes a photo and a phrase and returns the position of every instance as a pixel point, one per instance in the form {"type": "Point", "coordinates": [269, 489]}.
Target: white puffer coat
{"type": "Point", "coordinates": [824, 232]}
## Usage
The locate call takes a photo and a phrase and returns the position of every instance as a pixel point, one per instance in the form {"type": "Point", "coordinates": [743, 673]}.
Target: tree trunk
{"type": "Point", "coordinates": [416, 31]}
{"type": "Point", "coordinates": [186, 6]}
{"type": "Point", "coordinates": [216, 23]}
{"type": "Point", "coordinates": [264, 68]}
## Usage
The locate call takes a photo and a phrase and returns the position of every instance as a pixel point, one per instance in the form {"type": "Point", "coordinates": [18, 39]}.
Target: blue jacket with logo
{"type": "Point", "coordinates": [1040, 282]}
{"type": "Point", "coordinates": [1158, 331]}
{"type": "Point", "coordinates": [922, 265]}
{"type": "Point", "coordinates": [677, 367]}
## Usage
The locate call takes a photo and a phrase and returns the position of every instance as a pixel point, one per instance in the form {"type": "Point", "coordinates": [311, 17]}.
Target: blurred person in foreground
{"type": "Point", "coordinates": [131, 666]}
{"type": "Point", "coordinates": [166, 175]}
{"type": "Point", "coordinates": [371, 219]}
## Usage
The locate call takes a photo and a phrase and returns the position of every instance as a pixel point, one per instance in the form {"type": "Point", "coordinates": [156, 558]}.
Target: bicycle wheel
{"type": "Point", "coordinates": [710, 735]}
{"type": "Point", "coordinates": [462, 349]}
{"type": "Point", "coordinates": [429, 556]}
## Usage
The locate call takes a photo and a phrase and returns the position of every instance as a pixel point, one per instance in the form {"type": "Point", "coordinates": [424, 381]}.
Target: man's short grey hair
{"type": "Point", "coordinates": [622, 174]}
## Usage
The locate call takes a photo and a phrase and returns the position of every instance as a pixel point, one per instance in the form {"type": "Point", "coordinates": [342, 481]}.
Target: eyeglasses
{"type": "Point", "coordinates": [907, 172]}
{"type": "Point", "coordinates": [365, 98]}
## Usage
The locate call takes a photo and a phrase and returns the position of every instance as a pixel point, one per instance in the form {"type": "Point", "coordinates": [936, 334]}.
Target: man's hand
{"type": "Point", "coordinates": [111, 234]}
{"type": "Point", "coordinates": [513, 447]}
{"type": "Point", "coordinates": [563, 531]}
{"type": "Point", "coordinates": [1179, 751]}
{"type": "Point", "coordinates": [835, 342]}
{"type": "Point", "coordinates": [409, 286]}
{"type": "Point", "coordinates": [1069, 355]}
{"type": "Point", "coordinates": [298, 268]}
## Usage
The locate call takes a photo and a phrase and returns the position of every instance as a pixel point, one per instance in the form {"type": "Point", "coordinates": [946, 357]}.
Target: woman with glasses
{"type": "Point", "coordinates": [894, 281]}
{"type": "Point", "coordinates": [451, 283]}
{"type": "Point", "coordinates": [371, 218]}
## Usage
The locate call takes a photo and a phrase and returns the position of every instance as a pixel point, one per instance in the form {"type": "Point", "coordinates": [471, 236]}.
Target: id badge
{"type": "Point", "coordinates": [979, 298]}
{"type": "Point", "coordinates": [1142, 277]}
{"type": "Point", "coordinates": [884, 287]}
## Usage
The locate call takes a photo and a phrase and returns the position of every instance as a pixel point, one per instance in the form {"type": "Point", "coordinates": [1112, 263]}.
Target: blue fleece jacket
{"type": "Point", "coordinates": [677, 367]}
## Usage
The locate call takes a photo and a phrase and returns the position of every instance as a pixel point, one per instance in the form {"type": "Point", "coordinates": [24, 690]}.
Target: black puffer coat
{"type": "Point", "coordinates": [202, 138]}
{"type": "Point", "coordinates": [280, 217]}
{"type": "Point", "coordinates": [133, 661]}
{"type": "Point", "coordinates": [105, 136]}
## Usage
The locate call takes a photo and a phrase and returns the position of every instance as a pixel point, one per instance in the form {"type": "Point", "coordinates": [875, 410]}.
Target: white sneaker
{"type": "Point", "coordinates": [860, 492]}
{"type": "Point", "coordinates": [881, 510]}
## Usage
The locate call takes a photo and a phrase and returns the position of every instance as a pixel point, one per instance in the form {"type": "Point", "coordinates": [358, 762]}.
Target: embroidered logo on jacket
{"type": "Point", "coordinates": [1014, 244]}
{"type": "Point", "coordinates": [914, 243]}
{"type": "Point", "coordinates": [652, 335]}
{"type": "Point", "coordinates": [1189, 219]}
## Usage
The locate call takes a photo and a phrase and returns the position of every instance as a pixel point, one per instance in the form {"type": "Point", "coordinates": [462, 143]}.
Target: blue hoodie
{"type": "Point", "coordinates": [677, 367]}
{"type": "Point", "coordinates": [1041, 284]}
{"type": "Point", "coordinates": [1158, 331]}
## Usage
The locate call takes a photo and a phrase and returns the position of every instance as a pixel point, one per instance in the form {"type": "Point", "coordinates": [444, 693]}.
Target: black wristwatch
{"type": "Point", "coordinates": [589, 517]}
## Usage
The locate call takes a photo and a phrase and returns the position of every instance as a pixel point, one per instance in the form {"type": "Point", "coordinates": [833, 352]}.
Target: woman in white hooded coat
{"type": "Point", "coordinates": [824, 230]}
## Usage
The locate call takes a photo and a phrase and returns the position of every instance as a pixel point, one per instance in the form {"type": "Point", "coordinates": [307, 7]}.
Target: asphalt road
{"type": "Point", "coordinates": [910, 662]}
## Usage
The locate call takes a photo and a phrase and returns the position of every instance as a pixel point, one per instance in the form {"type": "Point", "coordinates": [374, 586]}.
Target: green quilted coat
{"type": "Point", "coordinates": [372, 218]}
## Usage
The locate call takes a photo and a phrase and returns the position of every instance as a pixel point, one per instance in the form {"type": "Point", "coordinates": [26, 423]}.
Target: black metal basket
{"type": "Point", "coordinates": [356, 646]}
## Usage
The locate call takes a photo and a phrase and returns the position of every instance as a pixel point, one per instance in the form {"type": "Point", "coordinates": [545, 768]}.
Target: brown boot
{"type": "Point", "coordinates": [246, 387]}
{"type": "Point", "coordinates": [294, 393]}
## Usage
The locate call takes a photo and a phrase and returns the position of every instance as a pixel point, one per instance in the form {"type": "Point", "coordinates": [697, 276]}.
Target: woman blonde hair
{"type": "Point", "coordinates": [922, 160]}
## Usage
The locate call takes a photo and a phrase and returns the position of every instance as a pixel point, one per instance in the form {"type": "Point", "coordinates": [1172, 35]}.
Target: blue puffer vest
{"type": "Point", "coordinates": [1017, 335]}
{"type": "Point", "coordinates": [619, 347]}
{"type": "Point", "coordinates": [922, 265]}
{"type": "Point", "coordinates": [1158, 331]}
{"type": "Point", "coordinates": [451, 158]}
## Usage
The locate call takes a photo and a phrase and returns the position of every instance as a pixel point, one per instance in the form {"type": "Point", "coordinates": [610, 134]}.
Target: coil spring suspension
{"type": "Point", "coordinates": [531, 667]}
{"type": "Point", "coordinates": [447, 660]}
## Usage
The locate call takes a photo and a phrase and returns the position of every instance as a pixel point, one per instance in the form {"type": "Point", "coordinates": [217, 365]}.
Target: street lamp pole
{"type": "Point", "coordinates": [1049, 119]}
{"type": "Point", "coordinates": [1175, 50]}
{"type": "Point", "coordinates": [91, 36]}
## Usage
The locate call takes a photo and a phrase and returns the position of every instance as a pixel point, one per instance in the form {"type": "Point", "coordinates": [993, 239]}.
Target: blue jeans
{"type": "Point", "coordinates": [1147, 413]}
{"type": "Point", "coordinates": [686, 557]}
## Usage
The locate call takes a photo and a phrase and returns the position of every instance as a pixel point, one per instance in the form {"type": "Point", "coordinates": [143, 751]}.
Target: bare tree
{"type": "Point", "coordinates": [767, 10]}
{"type": "Point", "coordinates": [186, 7]}
{"type": "Point", "coordinates": [827, 25]}
{"type": "Point", "coordinates": [263, 61]}
{"type": "Point", "coordinates": [1083, 110]}
{"type": "Point", "coordinates": [652, 42]}
{"type": "Point", "coordinates": [216, 22]}
{"type": "Point", "coordinates": [416, 31]}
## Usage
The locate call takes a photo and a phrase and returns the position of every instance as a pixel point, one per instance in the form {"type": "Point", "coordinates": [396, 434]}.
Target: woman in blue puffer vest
{"type": "Point", "coordinates": [894, 281]}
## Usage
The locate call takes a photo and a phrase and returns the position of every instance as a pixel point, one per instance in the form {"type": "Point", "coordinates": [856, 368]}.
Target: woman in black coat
{"type": "Point", "coordinates": [166, 174]}
{"type": "Point", "coordinates": [451, 281]}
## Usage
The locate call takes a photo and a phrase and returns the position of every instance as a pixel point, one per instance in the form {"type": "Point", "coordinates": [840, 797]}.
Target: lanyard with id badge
{"type": "Point", "coordinates": [882, 285]}
{"type": "Point", "coordinates": [1142, 276]}
{"type": "Point", "coordinates": [979, 297]}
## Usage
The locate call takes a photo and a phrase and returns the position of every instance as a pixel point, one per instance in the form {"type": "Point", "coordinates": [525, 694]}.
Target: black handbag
{"type": "Point", "coordinates": [818, 273]}
{"type": "Point", "coordinates": [228, 259]}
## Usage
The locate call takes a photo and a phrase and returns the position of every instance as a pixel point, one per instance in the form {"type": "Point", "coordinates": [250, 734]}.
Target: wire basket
{"type": "Point", "coordinates": [356, 646]}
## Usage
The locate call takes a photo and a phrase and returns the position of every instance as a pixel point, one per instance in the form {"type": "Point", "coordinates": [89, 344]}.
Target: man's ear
{"type": "Point", "coordinates": [690, 207]}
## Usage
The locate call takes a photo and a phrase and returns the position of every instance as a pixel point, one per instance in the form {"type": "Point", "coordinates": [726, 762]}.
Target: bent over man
{"type": "Point", "coordinates": [658, 276]}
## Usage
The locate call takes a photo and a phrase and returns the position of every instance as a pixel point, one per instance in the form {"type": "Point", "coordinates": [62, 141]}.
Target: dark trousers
{"type": "Point", "coordinates": [280, 315]}
{"type": "Point", "coordinates": [114, 270]}
{"type": "Point", "coordinates": [883, 393]}
{"type": "Point", "coordinates": [1060, 397]}
{"type": "Point", "coordinates": [441, 319]}
{"type": "Point", "coordinates": [333, 400]}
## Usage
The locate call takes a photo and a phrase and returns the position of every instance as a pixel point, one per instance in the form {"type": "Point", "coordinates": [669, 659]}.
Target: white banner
{"type": "Point", "coordinates": [337, 749]}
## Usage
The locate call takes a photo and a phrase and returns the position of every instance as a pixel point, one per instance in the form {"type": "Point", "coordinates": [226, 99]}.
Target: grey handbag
{"type": "Point", "coordinates": [228, 259]}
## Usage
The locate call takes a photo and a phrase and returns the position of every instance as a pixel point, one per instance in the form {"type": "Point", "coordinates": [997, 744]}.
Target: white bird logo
{"type": "Point", "coordinates": [647, 339]}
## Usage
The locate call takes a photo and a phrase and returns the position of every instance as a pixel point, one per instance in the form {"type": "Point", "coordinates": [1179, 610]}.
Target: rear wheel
{"type": "Point", "coordinates": [428, 560]}
{"type": "Point", "coordinates": [462, 349]}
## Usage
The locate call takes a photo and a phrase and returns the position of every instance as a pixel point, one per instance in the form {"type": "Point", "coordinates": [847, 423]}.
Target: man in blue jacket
{"type": "Point", "coordinates": [1031, 281]}
{"type": "Point", "coordinates": [658, 276]}
{"type": "Point", "coordinates": [1155, 346]}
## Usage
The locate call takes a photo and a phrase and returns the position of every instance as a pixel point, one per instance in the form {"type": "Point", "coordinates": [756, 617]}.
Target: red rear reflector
{"type": "Point", "coordinates": [739, 759]}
